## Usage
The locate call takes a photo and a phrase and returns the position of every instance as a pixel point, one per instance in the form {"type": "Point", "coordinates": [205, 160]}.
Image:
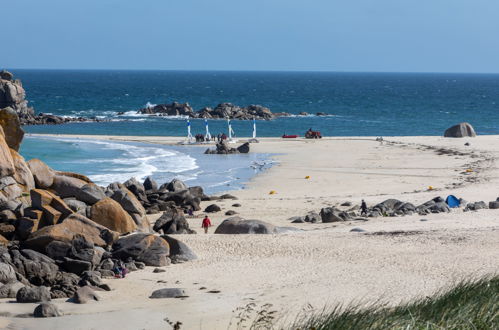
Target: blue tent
{"type": "Point", "coordinates": [452, 201]}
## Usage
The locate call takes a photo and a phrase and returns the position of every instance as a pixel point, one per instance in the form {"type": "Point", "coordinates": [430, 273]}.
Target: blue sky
{"type": "Point", "coordinates": [317, 35]}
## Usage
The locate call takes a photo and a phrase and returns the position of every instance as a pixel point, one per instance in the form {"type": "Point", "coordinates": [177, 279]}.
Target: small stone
{"type": "Point", "coordinates": [159, 270]}
{"type": "Point", "coordinates": [357, 230]}
{"type": "Point", "coordinates": [168, 293]}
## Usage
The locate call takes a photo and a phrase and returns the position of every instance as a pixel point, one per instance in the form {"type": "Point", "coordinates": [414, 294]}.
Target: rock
{"type": "Point", "coordinates": [228, 196]}
{"type": "Point", "coordinates": [460, 130]}
{"type": "Point", "coordinates": [176, 185]}
{"type": "Point", "coordinates": [212, 208]}
{"type": "Point", "coordinates": [159, 270]}
{"type": "Point", "coordinates": [33, 295]}
{"type": "Point", "coordinates": [494, 205]}
{"type": "Point", "coordinates": [168, 293]}
{"type": "Point", "coordinates": [65, 231]}
{"type": "Point", "coordinates": [346, 204]}
{"type": "Point", "coordinates": [67, 186]}
{"type": "Point", "coordinates": [237, 225]}
{"type": "Point", "coordinates": [128, 201]}
{"type": "Point", "coordinates": [312, 217]}
{"type": "Point", "coordinates": [197, 192]}
{"type": "Point", "coordinates": [173, 109]}
{"type": "Point", "coordinates": [7, 273]}
{"type": "Point", "coordinates": [47, 310]}
{"type": "Point", "coordinates": [7, 231]}
{"type": "Point", "coordinates": [297, 219]}
{"type": "Point", "coordinates": [76, 205]}
{"type": "Point", "coordinates": [173, 222]}
{"type": "Point", "coordinates": [58, 250]}
{"type": "Point", "coordinates": [22, 173]}
{"type": "Point", "coordinates": [236, 205]}
{"type": "Point", "coordinates": [6, 161]}
{"type": "Point", "coordinates": [222, 148]}
{"type": "Point", "coordinates": [42, 174]}
{"type": "Point", "coordinates": [10, 289]}
{"type": "Point", "coordinates": [357, 230]}
{"type": "Point", "coordinates": [331, 214]}
{"type": "Point", "coordinates": [244, 148]}
{"type": "Point", "coordinates": [84, 295]}
{"type": "Point", "coordinates": [110, 214]}
{"type": "Point", "coordinates": [475, 206]}
{"type": "Point", "coordinates": [439, 207]}
{"type": "Point", "coordinates": [136, 188]}
{"type": "Point", "coordinates": [230, 212]}
{"type": "Point", "coordinates": [150, 184]}
{"type": "Point", "coordinates": [90, 194]}
{"type": "Point", "coordinates": [11, 127]}
{"type": "Point", "coordinates": [147, 248]}
{"type": "Point", "coordinates": [179, 251]}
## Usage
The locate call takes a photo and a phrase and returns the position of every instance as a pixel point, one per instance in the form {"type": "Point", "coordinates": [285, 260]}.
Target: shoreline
{"type": "Point", "coordinates": [395, 260]}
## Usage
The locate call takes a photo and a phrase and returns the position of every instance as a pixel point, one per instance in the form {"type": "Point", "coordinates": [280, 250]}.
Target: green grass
{"type": "Point", "coordinates": [468, 305]}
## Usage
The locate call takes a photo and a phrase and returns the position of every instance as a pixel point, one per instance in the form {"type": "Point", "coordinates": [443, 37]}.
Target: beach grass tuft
{"type": "Point", "coordinates": [467, 305]}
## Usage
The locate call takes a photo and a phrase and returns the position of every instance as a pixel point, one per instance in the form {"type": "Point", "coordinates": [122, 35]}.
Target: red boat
{"type": "Point", "coordinates": [290, 136]}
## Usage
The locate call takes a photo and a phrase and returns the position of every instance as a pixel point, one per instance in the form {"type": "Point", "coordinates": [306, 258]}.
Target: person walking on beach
{"type": "Point", "coordinates": [363, 208]}
{"type": "Point", "coordinates": [206, 223]}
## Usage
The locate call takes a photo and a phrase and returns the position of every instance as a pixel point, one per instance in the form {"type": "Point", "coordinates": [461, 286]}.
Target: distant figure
{"type": "Point", "coordinates": [380, 139]}
{"type": "Point", "coordinates": [363, 208]}
{"type": "Point", "coordinates": [219, 137]}
{"type": "Point", "coordinates": [206, 223]}
{"type": "Point", "coordinates": [224, 137]}
{"type": "Point", "coordinates": [190, 213]}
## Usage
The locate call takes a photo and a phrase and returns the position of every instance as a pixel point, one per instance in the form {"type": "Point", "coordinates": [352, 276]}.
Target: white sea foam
{"type": "Point", "coordinates": [137, 161]}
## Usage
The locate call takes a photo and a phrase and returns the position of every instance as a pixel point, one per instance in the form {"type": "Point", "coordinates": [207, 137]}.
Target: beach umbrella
{"type": "Point", "coordinates": [254, 128]}
{"type": "Point", "coordinates": [189, 135]}
{"type": "Point", "coordinates": [207, 136]}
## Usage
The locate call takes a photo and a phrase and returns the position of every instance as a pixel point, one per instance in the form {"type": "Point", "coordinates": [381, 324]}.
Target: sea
{"type": "Point", "coordinates": [355, 104]}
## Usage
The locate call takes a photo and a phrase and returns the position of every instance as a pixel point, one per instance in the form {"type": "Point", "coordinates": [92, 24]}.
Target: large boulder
{"type": "Point", "coordinates": [10, 289]}
{"type": "Point", "coordinates": [147, 248]}
{"type": "Point", "coordinates": [150, 184]}
{"type": "Point", "coordinates": [110, 214]}
{"type": "Point", "coordinates": [237, 225]}
{"type": "Point", "coordinates": [84, 295]}
{"type": "Point", "coordinates": [11, 127]}
{"type": "Point", "coordinates": [6, 162]}
{"type": "Point", "coordinates": [65, 232]}
{"type": "Point", "coordinates": [173, 221]}
{"type": "Point", "coordinates": [460, 130]}
{"type": "Point", "coordinates": [43, 175]}
{"type": "Point", "coordinates": [67, 186]}
{"type": "Point", "coordinates": [7, 273]}
{"type": "Point", "coordinates": [179, 251]}
{"type": "Point", "coordinates": [168, 293]}
{"type": "Point", "coordinates": [244, 148]}
{"type": "Point", "coordinates": [22, 175]}
{"type": "Point", "coordinates": [136, 188]}
{"type": "Point", "coordinates": [331, 214]}
{"type": "Point", "coordinates": [47, 310]}
{"type": "Point", "coordinates": [33, 295]}
{"type": "Point", "coordinates": [176, 185]}
{"type": "Point", "coordinates": [90, 193]}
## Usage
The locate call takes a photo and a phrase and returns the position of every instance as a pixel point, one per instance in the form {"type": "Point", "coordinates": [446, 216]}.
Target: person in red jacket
{"type": "Point", "coordinates": [206, 223]}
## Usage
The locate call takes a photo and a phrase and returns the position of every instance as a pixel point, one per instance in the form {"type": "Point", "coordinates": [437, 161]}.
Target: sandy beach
{"type": "Point", "coordinates": [396, 259]}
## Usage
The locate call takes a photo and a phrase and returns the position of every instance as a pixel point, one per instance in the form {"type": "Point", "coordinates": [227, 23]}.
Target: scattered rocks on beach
{"type": "Point", "coordinates": [221, 111]}
{"type": "Point", "coordinates": [60, 233]}
{"type": "Point", "coordinates": [47, 310]}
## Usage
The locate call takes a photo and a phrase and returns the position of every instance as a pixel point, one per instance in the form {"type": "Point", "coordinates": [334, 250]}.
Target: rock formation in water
{"type": "Point", "coordinates": [221, 111]}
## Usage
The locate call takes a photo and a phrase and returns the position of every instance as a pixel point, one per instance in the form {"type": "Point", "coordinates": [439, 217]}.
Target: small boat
{"type": "Point", "coordinates": [285, 136]}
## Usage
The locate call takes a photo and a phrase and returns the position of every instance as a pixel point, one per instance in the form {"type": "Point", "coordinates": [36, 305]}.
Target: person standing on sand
{"type": "Point", "coordinates": [206, 223]}
{"type": "Point", "coordinates": [363, 208]}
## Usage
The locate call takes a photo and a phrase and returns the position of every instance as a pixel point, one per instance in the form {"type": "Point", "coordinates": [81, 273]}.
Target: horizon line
{"type": "Point", "coordinates": [260, 71]}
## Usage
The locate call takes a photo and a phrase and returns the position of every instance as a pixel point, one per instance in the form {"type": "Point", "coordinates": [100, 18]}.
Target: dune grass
{"type": "Point", "coordinates": [468, 305]}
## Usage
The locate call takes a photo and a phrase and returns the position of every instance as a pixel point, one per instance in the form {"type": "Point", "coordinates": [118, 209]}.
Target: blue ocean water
{"type": "Point", "coordinates": [357, 104]}
{"type": "Point", "coordinates": [112, 161]}
{"type": "Point", "coordinates": [363, 104]}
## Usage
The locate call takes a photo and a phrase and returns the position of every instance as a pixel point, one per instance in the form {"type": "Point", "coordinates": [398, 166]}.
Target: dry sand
{"type": "Point", "coordinates": [324, 264]}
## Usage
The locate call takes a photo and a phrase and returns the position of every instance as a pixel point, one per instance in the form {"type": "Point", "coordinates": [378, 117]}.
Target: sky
{"type": "Point", "coordinates": [281, 35]}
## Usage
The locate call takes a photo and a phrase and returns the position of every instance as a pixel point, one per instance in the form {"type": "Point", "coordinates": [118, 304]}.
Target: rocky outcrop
{"type": "Point", "coordinates": [13, 100]}
{"type": "Point", "coordinates": [11, 127]}
{"type": "Point", "coordinates": [221, 111]}
{"type": "Point", "coordinates": [460, 130]}
{"type": "Point", "coordinates": [223, 148]}
{"type": "Point", "coordinates": [172, 222]}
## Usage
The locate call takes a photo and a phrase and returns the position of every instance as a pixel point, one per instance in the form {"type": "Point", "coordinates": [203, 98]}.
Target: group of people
{"type": "Point", "coordinates": [201, 138]}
